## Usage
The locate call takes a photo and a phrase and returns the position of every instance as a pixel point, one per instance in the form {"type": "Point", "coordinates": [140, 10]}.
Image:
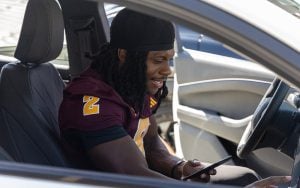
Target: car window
{"type": "Point", "coordinates": [11, 16]}
{"type": "Point", "coordinates": [111, 10]}
{"type": "Point", "coordinates": [189, 38]}
{"type": "Point", "coordinates": [197, 41]}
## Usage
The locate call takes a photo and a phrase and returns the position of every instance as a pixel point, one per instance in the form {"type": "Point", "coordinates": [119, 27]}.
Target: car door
{"type": "Point", "coordinates": [214, 97]}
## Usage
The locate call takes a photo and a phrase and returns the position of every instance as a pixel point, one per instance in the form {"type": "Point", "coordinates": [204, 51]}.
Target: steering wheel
{"type": "Point", "coordinates": [262, 116]}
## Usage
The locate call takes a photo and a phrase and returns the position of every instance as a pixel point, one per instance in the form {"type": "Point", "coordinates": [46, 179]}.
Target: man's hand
{"type": "Point", "coordinates": [272, 181]}
{"type": "Point", "coordinates": [193, 165]}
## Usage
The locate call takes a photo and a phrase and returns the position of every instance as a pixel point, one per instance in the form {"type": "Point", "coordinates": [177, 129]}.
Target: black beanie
{"type": "Point", "coordinates": [132, 30]}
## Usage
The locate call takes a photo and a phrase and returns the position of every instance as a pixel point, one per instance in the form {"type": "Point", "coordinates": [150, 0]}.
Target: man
{"type": "Point", "coordinates": [106, 115]}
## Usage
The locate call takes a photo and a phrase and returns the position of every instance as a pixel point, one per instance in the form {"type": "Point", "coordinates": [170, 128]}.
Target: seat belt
{"type": "Point", "coordinates": [85, 29]}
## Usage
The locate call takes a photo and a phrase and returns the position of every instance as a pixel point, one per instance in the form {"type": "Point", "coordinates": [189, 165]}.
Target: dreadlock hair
{"type": "Point", "coordinates": [129, 79]}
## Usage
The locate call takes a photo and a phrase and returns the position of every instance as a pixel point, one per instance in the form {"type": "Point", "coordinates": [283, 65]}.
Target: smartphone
{"type": "Point", "coordinates": [207, 169]}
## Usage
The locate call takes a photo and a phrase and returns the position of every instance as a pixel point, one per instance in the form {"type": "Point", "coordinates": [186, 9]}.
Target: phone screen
{"type": "Point", "coordinates": [207, 169]}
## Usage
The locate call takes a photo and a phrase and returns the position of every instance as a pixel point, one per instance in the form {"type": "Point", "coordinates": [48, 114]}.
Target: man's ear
{"type": "Point", "coordinates": [122, 55]}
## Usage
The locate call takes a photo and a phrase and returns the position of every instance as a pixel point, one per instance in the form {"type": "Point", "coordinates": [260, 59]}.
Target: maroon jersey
{"type": "Point", "coordinates": [90, 104]}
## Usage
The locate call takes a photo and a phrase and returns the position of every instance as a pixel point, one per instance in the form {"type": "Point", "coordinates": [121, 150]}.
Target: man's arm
{"type": "Point", "coordinates": [161, 160]}
{"type": "Point", "coordinates": [157, 154]}
{"type": "Point", "coordinates": [121, 156]}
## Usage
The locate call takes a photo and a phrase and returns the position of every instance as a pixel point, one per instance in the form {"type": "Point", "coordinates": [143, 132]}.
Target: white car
{"type": "Point", "coordinates": [222, 105]}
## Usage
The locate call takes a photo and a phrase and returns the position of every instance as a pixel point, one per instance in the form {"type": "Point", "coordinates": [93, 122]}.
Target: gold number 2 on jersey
{"type": "Point", "coordinates": [90, 107]}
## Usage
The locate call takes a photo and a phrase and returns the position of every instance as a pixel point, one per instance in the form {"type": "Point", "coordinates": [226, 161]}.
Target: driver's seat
{"type": "Point", "coordinates": [31, 90]}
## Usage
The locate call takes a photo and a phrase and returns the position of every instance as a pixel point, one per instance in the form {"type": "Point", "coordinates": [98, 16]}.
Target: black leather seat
{"type": "Point", "coordinates": [31, 90]}
{"type": "Point", "coordinates": [4, 156]}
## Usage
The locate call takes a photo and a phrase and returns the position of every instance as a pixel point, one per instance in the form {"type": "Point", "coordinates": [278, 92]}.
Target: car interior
{"type": "Point", "coordinates": [202, 102]}
{"type": "Point", "coordinates": [30, 101]}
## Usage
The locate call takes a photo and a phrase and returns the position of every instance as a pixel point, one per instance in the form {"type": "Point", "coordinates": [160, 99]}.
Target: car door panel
{"type": "Point", "coordinates": [196, 66]}
{"type": "Point", "coordinates": [222, 95]}
{"type": "Point", "coordinates": [199, 144]}
{"type": "Point", "coordinates": [214, 96]}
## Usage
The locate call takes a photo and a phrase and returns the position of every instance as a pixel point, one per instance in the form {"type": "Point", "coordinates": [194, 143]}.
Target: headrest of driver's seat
{"type": "Point", "coordinates": [42, 33]}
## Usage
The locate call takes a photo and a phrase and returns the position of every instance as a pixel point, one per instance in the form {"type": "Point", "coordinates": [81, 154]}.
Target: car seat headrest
{"type": "Point", "coordinates": [42, 33]}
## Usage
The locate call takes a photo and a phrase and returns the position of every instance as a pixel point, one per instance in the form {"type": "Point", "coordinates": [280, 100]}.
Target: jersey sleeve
{"type": "Point", "coordinates": [90, 113]}
{"type": "Point", "coordinates": [86, 140]}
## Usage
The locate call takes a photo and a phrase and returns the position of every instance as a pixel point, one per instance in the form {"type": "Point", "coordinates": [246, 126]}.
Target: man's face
{"type": "Point", "coordinates": [158, 69]}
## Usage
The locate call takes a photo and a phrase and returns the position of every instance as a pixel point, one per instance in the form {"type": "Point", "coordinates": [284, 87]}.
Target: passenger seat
{"type": "Point", "coordinates": [31, 89]}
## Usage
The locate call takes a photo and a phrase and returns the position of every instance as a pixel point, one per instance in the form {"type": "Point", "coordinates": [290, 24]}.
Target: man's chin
{"type": "Point", "coordinates": [152, 91]}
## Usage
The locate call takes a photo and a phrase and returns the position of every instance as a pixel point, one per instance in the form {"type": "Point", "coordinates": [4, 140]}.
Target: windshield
{"type": "Point", "coordinates": [291, 6]}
